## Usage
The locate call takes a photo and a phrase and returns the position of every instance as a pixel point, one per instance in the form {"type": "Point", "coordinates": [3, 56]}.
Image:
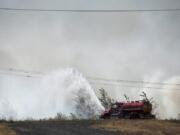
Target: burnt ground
{"type": "Point", "coordinates": [57, 128]}
{"type": "Point", "coordinates": [99, 127]}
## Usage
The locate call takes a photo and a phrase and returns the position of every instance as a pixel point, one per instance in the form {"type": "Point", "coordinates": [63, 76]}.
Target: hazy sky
{"type": "Point", "coordinates": [93, 4]}
{"type": "Point", "coordinates": [115, 45]}
{"type": "Point", "coordinates": [130, 46]}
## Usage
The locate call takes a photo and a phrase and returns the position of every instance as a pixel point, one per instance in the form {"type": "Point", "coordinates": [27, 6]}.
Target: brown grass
{"type": "Point", "coordinates": [140, 127]}
{"type": "Point", "coordinates": [5, 130]}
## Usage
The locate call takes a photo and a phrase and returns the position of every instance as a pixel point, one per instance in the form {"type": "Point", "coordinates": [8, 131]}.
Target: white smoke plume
{"type": "Point", "coordinates": [166, 96]}
{"type": "Point", "coordinates": [55, 92]}
{"type": "Point", "coordinates": [128, 46]}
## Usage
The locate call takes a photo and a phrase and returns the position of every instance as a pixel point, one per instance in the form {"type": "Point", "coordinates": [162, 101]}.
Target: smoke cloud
{"type": "Point", "coordinates": [129, 46]}
{"type": "Point", "coordinates": [63, 91]}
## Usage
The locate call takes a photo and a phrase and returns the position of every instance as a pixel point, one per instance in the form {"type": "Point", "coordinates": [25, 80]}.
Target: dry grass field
{"type": "Point", "coordinates": [92, 127]}
{"type": "Point", "coordinates": [5, 130]}
{"type": "Point", "coordinates": [140, 127]}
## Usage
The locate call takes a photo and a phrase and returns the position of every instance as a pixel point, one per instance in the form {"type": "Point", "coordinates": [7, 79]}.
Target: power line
{"type": "Point", "coordinates": [21, 71]}
{"type": "Point", "coordinates": [18, 75]}
{"type": "Point", "coordinates": [97, 83]}
{"type": "Point", "coordinates": [130, 81]}
{"type": "Point", "coordinates": [95, 80]}
{"type": "Point", "coordinates": [143, 87]}
{"type": "Point", "coordinates": [90, 10]}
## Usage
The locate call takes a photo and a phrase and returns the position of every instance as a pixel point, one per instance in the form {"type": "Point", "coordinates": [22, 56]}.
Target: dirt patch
{"type": "Point", "coordinates": [5, 130]}
{"type": "Point", "coordinates": [140, 127]}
